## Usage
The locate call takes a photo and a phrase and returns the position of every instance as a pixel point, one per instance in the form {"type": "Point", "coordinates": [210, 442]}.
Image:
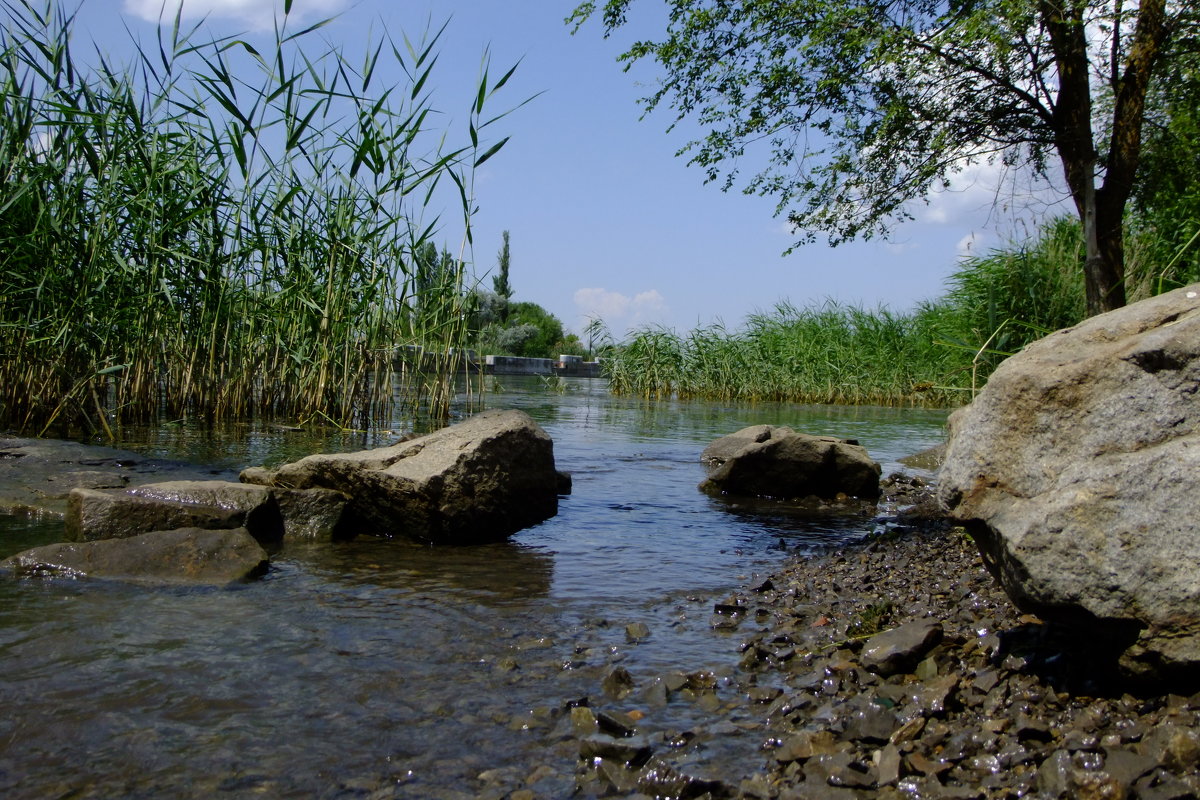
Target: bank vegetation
{"type": "Point", "coordinates": [221, 230]}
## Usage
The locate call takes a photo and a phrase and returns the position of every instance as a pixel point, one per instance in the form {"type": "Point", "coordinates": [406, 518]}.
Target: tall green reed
{"type": "Point", "coordinates": [831, 353]}
{"type": "Point", "coordinates": [218, 231]}
{"type": "Point", "coordinates": [937, 355]}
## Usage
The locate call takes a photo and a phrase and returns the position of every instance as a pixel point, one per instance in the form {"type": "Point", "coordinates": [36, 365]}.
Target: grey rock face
{"type": "Point", "coordinates": [188, 556]}
{"type": "Point", "coordinates": [478, 481]}
{"type": "Point", "coordinates": [1076, 469]}
{"type": "Point", "coordinates": [215, 505]}
{"type": "Point", "coordinates": [255, 506]}
{"type": "Point", "coordinates": [777, 462]}
{"type": "Point", "coordinates": [93, 515]}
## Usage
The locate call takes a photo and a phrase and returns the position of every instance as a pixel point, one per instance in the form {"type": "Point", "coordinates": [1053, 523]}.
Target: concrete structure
{"type": "Point", "coordinates": [566, 366]}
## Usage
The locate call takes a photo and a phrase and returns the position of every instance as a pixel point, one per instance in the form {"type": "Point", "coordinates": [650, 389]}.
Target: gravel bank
{"type": "Point", "coordinates": [897, 669]}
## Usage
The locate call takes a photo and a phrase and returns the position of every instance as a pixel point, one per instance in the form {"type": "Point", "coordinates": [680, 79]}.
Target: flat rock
{"type": "Point", "coordinates": [187, 556]}
{"type": "Point", "coordinates": [36, 475]}
{"type": "Point", "coordinates": [93, 514]}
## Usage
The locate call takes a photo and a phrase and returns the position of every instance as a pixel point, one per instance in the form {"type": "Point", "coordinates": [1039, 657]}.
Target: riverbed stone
{"type": "Point", "coordinates": [1075, 470]}
{"type": "Point", "coordinates": [190, 556]}
{"type": "Point", "coordinates": [478, 481]}
{"type": "Point", "coordinates": [902, 647]}
{"type": "Point", "coordinates": [780, 463]}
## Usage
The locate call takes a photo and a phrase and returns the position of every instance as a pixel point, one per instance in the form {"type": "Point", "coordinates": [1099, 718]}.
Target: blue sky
{"type": "Point", "coordinates": [604, 219]}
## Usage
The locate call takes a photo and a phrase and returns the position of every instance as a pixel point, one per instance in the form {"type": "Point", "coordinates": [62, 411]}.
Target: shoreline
{"type": "Point", "coordinates": [1001, 706]}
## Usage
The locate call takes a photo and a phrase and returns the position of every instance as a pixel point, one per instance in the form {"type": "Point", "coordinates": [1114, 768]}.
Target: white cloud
{"type": "Point", "coordinates": [620, 312]}
{"type": "Point", "coordinates": [969, 245]}
{"type": "Point", "coordinates": [259, 14]}
{"type": "Point", "coordinates": [991, 194]}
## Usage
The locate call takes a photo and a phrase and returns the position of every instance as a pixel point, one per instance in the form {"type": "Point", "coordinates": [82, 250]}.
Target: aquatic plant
{"type": "Point", "coordinates": [221, 231]}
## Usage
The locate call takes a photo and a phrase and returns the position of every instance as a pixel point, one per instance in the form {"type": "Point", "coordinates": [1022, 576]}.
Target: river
{"type": "Point", "coordinates": [382, 669]}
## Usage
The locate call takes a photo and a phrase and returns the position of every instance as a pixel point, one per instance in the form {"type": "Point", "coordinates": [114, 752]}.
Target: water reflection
{"type": "Point", "coordinates": [490, 573]}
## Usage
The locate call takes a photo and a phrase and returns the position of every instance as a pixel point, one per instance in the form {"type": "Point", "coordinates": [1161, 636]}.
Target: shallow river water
{"type": "Point", "coordinates": [378, 668]}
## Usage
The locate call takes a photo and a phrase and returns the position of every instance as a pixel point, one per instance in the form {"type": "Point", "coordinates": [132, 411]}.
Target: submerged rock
{"type": "Point", "coordinates": [1075, 469]}
{"type": "Point", "coordinates": [478, 481]}
{"type": "Point", "coordinates": [777, 462]}
{"type": "Point", "coordinates": [36, 475]}
{"type": "Point", "coordinates": [186, 556]}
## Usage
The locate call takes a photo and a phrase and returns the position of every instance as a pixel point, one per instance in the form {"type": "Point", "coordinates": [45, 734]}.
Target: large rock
{"type": "Point", "coordinates": [777, 462]}
{"type": "Point", "coordinates": [188, 556]}
{"type": "Point", "coordinates": [478, 481]}
{"type": "Point", "coordinates": [1077, 470]}
{"type": "Point", "coordinates": [216, 505]}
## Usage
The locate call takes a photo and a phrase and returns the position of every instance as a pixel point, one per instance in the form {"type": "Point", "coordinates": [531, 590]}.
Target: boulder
{"type": "Point", "coordinates": [777, 462]}
{"type": "Point", "coordinates": [188, 556]}
{"type": "Point", "coordinates": [312, 513]}
{"type": "Point", "coordinates": [214, 505]}
{"type": "Point", "coordinates": [478, 481]}
{"type": "Point", "coordinates": [1075, 469]}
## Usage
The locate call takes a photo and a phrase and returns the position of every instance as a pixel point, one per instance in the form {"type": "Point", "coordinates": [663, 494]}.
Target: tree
{"type": "Point", "coordinates": [865, 105]}
{"type": "Point", "coordinates": [1166, 202]}
{"type": "Point", "coordinates": [500, 284]}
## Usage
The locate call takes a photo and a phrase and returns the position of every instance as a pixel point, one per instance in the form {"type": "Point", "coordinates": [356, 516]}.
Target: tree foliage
{"type": "Point", "coordinates": [858, 107]}
{"type": "Point", "coordinates": [500, 283]}
{"type": "Point", "coordinates": [1167, 198]}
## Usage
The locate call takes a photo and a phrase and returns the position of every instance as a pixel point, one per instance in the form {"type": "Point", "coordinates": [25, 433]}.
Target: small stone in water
{"type": "Point", "coordinates": [583, 721]}
{"type": "Point", "coordinates": [636, 631]}
{"type": "Point", "coordinates": [618, 683]}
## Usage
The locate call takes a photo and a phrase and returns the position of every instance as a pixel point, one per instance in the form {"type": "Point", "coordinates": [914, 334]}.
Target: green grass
{"type": "Point", "coordinates": [220, 231]}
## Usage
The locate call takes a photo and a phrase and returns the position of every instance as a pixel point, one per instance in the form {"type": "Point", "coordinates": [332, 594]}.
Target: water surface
{"type": "Point", "coordinates": [379, 666]}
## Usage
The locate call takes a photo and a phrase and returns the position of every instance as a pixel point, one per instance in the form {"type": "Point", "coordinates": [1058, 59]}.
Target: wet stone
{"type": "Point", "coordinates": [902, 647]}
{"type": "Point", "coordinates": [869, 722]}
{"type": "Point", "coordinates": [634, 751]}
{"type": "Point", "coordinates": [618, 684]}
{"type": "Point", "coordinates": [655, 693]}
{"type": "Point", "coordinates": [583, 721]}
{"type": "Point", "coordinates": [615, 723]}
{"type": "Point", "coordinates": [887, 765]}
{"type": "Point", "coordinates": [840, 769]}
{"type": "Point", "coordinates": [636, 631]}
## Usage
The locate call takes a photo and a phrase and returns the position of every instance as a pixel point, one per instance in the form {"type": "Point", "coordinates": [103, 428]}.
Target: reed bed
{"type": "Point", "coordinates": [221, 232]}
{"type": "Point", "coordinates": [937, 355]}
{"type": "Point", "coordinates": [824, 354]}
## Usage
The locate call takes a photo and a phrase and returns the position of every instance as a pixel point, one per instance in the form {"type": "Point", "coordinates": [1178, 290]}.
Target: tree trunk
{"type": "Point", "coordinates": [1104, 270]}
{"type": "Point", "coordinates": [1101, 210]}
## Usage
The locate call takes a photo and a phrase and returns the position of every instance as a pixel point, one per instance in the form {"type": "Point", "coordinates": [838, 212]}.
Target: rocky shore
{"type": "Point", "coordinates": [893, 669]}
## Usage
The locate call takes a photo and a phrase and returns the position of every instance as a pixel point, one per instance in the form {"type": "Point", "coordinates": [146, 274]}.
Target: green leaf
{"type": "Point", "coordinates": [492, 151]}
